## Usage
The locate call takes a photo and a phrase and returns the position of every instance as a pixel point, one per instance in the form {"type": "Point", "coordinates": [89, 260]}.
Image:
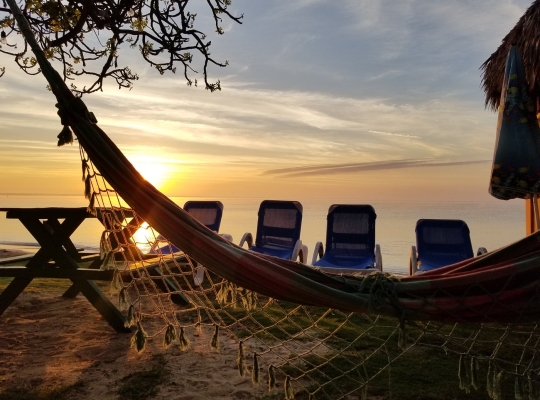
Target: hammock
{"type": "Point", "coordinates": [510, 275]}
{"type": "Point", "coordinates": [312, 315]}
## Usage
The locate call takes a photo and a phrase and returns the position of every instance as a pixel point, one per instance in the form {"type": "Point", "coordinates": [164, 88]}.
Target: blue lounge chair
{"type": "Point", "coordinates": [278, 231]}
{"type": "Point", "coordinates": [208, 213]}
{"type": "Point", "coordinates": [440, 242]}
{"type": "Point", "coordinates": [350, 241]}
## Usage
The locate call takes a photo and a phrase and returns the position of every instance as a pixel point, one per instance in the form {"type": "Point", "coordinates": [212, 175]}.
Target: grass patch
{"type": "Point", "coordinates": [36, 390]}
{"type": "Point", "coordinates": [366, 348]}
{"type": "Point", "coordinates": [45, 285]}
{"type": "Point", "coordinates": [144, 384]}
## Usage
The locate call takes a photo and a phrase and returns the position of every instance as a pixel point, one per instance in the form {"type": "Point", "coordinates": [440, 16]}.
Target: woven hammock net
{"type": "Point", "coordinates": [297, 350]}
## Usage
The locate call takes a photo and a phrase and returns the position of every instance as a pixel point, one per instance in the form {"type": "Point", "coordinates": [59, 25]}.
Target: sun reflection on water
{"type": "Point", "coordinates": [144, 237]}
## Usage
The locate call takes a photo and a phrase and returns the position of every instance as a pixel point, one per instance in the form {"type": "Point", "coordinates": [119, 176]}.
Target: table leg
{"type": "Point", "coordinates": [67, 243]}
{"type": "Point", "coordinates": [72, 292]}
{"type": "Point", "coordinates": [102, 304]}
{"type": "Point", "coordinates": [12, 291]}
{"type": "Point", "coordinates": [50, 241]}
{"type": "Point", "coordinates": [52, 248]}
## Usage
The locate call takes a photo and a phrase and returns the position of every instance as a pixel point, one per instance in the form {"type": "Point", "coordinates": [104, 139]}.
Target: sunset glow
{"type": "Point", "coordinates": [400, 115]}
{"type": "Point", "coordinates": [152, 169]}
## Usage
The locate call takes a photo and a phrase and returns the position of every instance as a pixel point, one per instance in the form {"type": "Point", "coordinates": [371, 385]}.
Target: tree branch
{"type": "Point", "coordinates": [163, 30]}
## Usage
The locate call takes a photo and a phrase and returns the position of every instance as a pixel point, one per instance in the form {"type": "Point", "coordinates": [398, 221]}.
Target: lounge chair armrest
{"type": "Point", "coordinates": [481, 250]}
{"type": "Point", "coordinates": [413, 261]}
{"type": "Point", "coordinates": [226, 236]}
{"type": "Point", "coordinates": [247, 238]}
{"type": "Point", "coordinates": [378, 257]}
{"type": "Point", "coordinates": [319, 252]}
{"type": "Point", "coordinates": [305, 252]}
{"type": "Point", "coordinates": [298, 251]}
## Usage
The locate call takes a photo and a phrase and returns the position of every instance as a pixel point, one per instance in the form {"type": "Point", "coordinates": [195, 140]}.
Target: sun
{"type": "Point", "coordinates": [152, 169]}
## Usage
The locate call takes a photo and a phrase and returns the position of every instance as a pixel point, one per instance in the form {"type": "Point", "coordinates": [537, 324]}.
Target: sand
{"type": "Point", "coordinates": [47, 341]}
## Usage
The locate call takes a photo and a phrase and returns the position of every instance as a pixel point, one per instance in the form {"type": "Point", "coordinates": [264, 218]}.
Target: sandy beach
{"type": "Point", "coordinates": [49, 343]}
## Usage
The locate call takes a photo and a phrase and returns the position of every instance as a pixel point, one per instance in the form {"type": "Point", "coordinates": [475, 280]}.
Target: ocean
{"type": "Point", "coordinates": [493, 223]}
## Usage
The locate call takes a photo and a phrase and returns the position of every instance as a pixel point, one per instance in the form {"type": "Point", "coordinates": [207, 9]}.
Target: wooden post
{"type": "Point", "coordinates": [530, 219]}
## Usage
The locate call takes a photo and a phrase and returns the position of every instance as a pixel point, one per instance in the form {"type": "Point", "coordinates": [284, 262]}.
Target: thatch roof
{"type": "Point", "coordinates": [526, 36]}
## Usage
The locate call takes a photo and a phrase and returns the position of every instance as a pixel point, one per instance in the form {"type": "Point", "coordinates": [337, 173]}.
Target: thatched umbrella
{"type": "Point", "coordinates": [526, 36]}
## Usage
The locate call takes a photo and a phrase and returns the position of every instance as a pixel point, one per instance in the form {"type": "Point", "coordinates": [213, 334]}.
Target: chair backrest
{"type": "Point", "coordinates": [441, 242]}
{"type": "Point", "coordinates": [208, 213]}
{"type": "Point", "coordinates": [279, 223]}
{"type": "Point", "coordinates": [350, 230]}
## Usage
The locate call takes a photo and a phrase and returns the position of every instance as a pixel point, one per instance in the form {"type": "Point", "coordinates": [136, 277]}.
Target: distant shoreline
{"type": "Point", "coordinates": [40, 194]}
{"type": "Point", "coordinates": [6, 253]}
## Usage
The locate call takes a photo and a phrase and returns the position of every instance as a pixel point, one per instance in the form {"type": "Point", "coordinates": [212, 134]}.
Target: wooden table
{"type": "Point", "coordinates": [57, 258]}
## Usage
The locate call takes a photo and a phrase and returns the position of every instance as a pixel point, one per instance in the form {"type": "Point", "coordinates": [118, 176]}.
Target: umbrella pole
{"type": "Point", "coordinates": [536, 212]}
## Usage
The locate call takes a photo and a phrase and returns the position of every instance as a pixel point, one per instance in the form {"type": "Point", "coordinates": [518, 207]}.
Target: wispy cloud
{"type": "Point", "coordinates": [395, 134]}
{"type": "Point", "coordinates": [333, 169]}
{"type": "Point", "coordinates": [291, 127]}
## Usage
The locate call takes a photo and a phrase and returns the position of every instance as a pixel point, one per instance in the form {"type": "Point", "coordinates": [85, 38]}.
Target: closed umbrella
{"type": "Point", "coordinates": [516, 160]}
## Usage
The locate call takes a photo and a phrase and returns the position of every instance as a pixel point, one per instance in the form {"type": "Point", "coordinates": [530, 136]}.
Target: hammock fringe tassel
{"type": "Point", "coordinates": [255, 371]}
{"type": "Point", "coordinates": [170, 336]}
{"type": "Point", "coordinates": [289, 391]}
{"type": "Point", "coordinates": [271, 378]}
{"type": "Point", "coordinates": [240, 361]}
{"type": "Point", "coordinates": [139, 339]}
{"type": "Point", "coordinates": [65, 136]}
{"type": "Point", "coordinates": [131, 318]}
{"type": "Point", "coordinates": [474, 373]}
{"type": "Point", "coordinates": [214, 343]}
{"type": "Point", "coordinates": [184, 341]}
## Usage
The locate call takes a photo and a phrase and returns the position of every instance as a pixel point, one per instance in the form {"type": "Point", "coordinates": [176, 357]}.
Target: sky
{"type": "Point", "coordinates": [355, 100]}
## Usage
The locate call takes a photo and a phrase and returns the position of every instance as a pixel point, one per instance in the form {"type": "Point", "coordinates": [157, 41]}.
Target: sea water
{"type": "Point", "coordinates": [492, 223]}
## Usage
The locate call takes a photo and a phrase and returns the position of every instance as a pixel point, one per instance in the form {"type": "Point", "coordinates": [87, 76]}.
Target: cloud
{"type": "Point", "coordinates": [384, 75]}
{"type": "Point", "coordinates": [292, 127]}
{"type": "Point", "coordinates": [419, 19]}
{"type": "Point", "coordinates": [264, 128]}
{"type": "Point", "coordinates": [315, 81]}
{"type": "Point", "coordinates": [333, 169]}
{"type": "Point", "coordinates": [396, 134]}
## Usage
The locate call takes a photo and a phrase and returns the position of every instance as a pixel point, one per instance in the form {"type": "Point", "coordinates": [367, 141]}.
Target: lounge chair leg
{"type": "Point", "coordinates": [167, 285]}
{"type": "Point", "coordinates": [413, 261]}
{"type": "Point", "coordinates": [378, 258]}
